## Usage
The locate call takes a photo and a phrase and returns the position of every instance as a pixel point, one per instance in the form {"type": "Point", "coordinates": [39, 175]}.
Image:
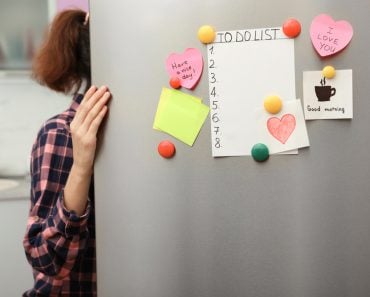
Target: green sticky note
{"type": "Point", "coordinates": [180, 115]}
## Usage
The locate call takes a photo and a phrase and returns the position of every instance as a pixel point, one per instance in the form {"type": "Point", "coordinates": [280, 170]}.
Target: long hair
{"type": "Point", "coordinates": [63, 61]}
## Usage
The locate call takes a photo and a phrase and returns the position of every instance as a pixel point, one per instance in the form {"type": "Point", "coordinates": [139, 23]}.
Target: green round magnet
{"type": "Point", "coordinates": [260, 152]}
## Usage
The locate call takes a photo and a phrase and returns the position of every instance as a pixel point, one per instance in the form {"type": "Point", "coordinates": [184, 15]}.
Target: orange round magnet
{"type": "Point", "coordinates": [292, 28]}
{"type": "Point", "coordinates": [166, 149]}
{"type": "Point", "coordinates": [175, 82]}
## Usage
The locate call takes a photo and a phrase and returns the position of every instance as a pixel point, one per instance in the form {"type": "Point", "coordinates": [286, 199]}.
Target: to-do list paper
{"type": "Point", "coordinates": [245, 66]}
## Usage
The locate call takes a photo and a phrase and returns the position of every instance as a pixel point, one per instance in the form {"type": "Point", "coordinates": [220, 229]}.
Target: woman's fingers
{"type": "Point", "coordinates": [89, 93]}
{"type": "Point", "coordinates": [95, 97]}
{"type": "Point", "coordinates": [95, 124]}
{"type": "Point", "coordinates": [79, 116]}
{"type": "Point", "coordinates": [93, 113]}
{"type": "Point", "coordinates": [91, 98]}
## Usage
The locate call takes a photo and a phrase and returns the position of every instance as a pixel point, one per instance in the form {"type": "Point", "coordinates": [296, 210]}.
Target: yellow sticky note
{"type": "Point", "coordinates": [166, 93]}
{"type": "Point", "coordinates": [180, 115]}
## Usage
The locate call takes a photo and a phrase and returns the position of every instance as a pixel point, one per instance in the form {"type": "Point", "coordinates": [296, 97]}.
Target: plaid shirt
{"type": "Point", "coordinates": [59, 245]}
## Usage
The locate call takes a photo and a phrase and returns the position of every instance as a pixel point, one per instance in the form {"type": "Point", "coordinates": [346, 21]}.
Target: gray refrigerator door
{"type": "Point", "coordinates": [198, 226]}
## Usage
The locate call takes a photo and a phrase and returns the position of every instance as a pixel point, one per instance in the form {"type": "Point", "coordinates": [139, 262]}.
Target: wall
{"type": "Point", "coordinates": [66, 4]}
{"type": "Point", "coordinates": [24, 106]}
{"type": "Point", "coordinates": [16, 274]}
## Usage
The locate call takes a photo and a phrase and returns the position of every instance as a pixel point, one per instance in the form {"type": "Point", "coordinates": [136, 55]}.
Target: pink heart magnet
{"type": "Point", "coordinates": [281, 129]}
{"type": "Point", "coordinates": [328, 36]}
{"type": "Point", "coordinates": [187, 66]}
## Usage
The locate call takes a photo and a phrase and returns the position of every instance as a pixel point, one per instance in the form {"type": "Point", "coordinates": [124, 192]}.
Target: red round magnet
{"type": "Point", "coordinates": [292, 28]}
{"type": "Point", "coordinates": [166, 149]}
{"type": "Point", "coordinates": [175, 82]}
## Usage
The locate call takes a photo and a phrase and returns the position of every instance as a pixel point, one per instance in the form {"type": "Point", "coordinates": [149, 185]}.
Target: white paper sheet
{"type": "Point", "coordinates": [283, 131]}
{"type": "Point", "coordinates": [329, 98]}
{"type": "Point", "coordinates": [244, 67]}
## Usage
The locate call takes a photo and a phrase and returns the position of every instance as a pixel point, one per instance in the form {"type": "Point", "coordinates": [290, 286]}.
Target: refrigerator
{"type": "Point", "coordinates": [200, 226]}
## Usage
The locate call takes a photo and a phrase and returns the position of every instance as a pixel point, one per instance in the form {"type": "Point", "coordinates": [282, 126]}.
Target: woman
{"type": "Point", "coordinates": [60, 237]}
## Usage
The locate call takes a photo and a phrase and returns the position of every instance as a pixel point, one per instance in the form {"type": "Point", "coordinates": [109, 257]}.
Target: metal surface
{"type": "Point", "coordinates": [196, 226]}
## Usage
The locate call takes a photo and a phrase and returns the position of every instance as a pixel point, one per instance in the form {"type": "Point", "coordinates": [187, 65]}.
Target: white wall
{"type": "Point", "coordinates": [15, 272]}
{"type": "Point", "coordinates": [24, 106]}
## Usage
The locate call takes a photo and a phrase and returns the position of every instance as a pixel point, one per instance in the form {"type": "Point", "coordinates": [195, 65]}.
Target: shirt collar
{"type": "Point", "coordinates": [77, 98]}
{"type": "Point", "coordinates": [79, 95]}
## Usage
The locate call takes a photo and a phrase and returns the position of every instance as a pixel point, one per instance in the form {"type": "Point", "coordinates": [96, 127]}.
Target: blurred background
{"type": "Point", "coordinates": [22, 25]}
{"type": "Point", "coordinates": [24, 106]}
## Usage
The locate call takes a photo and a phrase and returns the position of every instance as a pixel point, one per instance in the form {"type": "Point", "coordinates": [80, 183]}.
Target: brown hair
{"type": "Point", "coordinates": [63, 61]}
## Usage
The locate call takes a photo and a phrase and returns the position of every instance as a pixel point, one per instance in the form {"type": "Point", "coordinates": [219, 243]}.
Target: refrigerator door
{"type": "Point", "coordinates": [198, 226]}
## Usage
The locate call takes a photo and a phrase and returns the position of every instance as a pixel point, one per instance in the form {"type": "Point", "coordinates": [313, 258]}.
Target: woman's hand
{"type": "Point", "coordinates": [85, 125]}
{"type": "Point", "coordinates": [84, 129]}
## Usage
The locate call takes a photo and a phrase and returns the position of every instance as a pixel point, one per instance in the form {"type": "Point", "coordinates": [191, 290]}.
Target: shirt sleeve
{"type": "Point", "coordinates": [55, 237]}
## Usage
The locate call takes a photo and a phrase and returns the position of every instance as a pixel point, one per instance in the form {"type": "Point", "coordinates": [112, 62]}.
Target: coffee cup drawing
{"type": "Point", "coordinates": [323, 92]}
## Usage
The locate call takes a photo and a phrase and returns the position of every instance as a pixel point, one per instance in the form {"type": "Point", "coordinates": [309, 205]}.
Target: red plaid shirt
{"type": "Point", "coordinates": [59, 245]}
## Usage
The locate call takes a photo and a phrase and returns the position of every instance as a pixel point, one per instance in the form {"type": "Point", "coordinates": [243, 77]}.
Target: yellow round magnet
{"type": "Point", "coordinates": [273, 104]}
{"type": "Point", "coordinates": [328, 72]}
{"type": "Point", "coordinates": [206, 34]}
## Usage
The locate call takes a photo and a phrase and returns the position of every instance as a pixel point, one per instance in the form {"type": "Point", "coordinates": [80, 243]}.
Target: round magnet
{"type": "Point", "coordinates": [292, 28]}
{"type": "Point", "coordinates": [166, 149]}
{"type": "Point", "coordinates": [206, 34]}
{"type": "Point", "coordinates": [175, 82]}
{"type": "Point", "coordinates": [273, 104]}
{"type": "Point", "coordinates": [328, 72]}
{"type": "Point", "coordinates": [260, 152]}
